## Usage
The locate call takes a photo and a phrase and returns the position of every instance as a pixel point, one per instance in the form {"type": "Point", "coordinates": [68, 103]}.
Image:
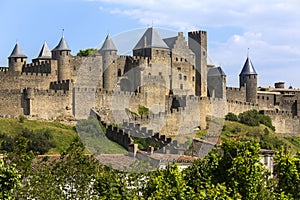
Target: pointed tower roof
{"type": "Point", "coordinates": [216, 71]}
{"type": "Point", "coordinates": [248, 68]}
{"type": "Point", "coordinates": [17, 52]}
{"type": "Point", "coordinates": [151, 39]}
{"type": "Point", "coordinates": [62, 45]}
{"type": "Point", "coordinates": [45, 52]}
{"type": "Point", "coordinates": [108, 45]}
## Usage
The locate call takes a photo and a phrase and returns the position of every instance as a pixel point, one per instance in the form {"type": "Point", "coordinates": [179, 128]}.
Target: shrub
{"type": "Point", "coordinates": [254, 118]}
{"type": "Point", "coordinates": [22, 118]}
{"type": "Point", "coordinates": [143, 111]}
{"type": "Point", "coordinates": [250, 118]}
{"type": "Point", "coordinates": [231, 117]}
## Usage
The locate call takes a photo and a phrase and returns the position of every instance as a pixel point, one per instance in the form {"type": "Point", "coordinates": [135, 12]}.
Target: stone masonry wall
{"type": "Point", "coordinates": [11, 103]}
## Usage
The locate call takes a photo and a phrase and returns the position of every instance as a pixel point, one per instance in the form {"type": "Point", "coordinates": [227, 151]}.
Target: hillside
{"type": "Point", "coordinates": [60, 136]}
{"type": "Point", "coordinates": [266, 137]}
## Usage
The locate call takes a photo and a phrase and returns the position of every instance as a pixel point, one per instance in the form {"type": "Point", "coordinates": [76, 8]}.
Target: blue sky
{"type": "Point", "coordinates": [270, 28]}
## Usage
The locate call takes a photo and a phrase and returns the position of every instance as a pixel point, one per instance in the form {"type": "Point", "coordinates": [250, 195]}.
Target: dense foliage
{"type": "Point", "coordinates": [232, 171]}
{"type": "Point", "coordinates": [39, 141]}
{"type": "Point", "coordinates": [251, 118]}
{"type": "Point", "coordinates": [87, 52]}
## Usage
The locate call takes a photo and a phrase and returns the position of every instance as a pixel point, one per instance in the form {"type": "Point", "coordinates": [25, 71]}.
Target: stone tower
{"type": "Point", "coordinates": [17, 59]}
{"type": "Point", "coordinates": [248, 79]}
{"type": "Point", "coordinates": [62, 53]}
{"type": "Point", "coordinates": [198, 44]}
{"type": "Point", "coordinates": [109, 55]}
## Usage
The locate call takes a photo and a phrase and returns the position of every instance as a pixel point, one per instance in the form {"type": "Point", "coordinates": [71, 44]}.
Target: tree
{"type": "Point", "coordinates": [70, 176]}
{"type": "Point", "coordinates": [168, 184]}
{"type": "Point", "coordinates": [287, 172]}
{"type": "Point", "coordinates": [88, 52]}
{"type": "Point", "coordinates": [10, 180]}
{"type": "Point", "coordinates": [233, 170]}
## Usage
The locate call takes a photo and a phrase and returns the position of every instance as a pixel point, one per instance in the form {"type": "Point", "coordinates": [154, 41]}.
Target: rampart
{"type": "Point", "coordinates": [65, 85]}
{"type": "Point", "coordinates": [48, 104]}
{"type": "Point", "coordinates": [125, 136]}
{"type": "Point", "coordinates": [236, 94]}
{"type": "Point", "coordinates": [41, 67]}
{"type": "Point", "coordinates": [11, 103]}
{"type": "Point", "coordinates": [238, 107]}
{"type": "Point", "coordinates": [17, 80]}
{"type": "Point", "coordinates": [285, 123]}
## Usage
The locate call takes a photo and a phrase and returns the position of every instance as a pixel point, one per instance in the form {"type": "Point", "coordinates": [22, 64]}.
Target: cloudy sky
{"type": "Point", "coordinates": [269, 28]}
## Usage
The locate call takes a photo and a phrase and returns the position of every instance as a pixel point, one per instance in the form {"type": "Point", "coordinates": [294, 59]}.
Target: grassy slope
{"type": "Point", "coordinates": [62, 135]}
{"type": "Point", "coordinates": [267, 138]}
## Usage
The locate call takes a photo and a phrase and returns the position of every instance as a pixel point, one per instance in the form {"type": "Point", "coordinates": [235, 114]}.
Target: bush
{"type": "Point", "coordinates": [22, 118]}
{"type": "Point", "coordinates": [250, 118]}
{"type": "Point", "coordinates": [39, 141]}
{"type": "Point", "coordinates": [231, 117]}
{"type": "Point", "coordinates": [254, 118]}
{"type": "Point", "coordinates": [143, 111]}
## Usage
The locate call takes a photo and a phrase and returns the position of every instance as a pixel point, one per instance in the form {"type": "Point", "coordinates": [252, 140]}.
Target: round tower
{"type": "Point", "coordinates": [248, 79]}
{"type": "Point", "coordinates": [108, 52]}
{"type": "Point", "coordinates": [17, 59]}
{"type": "Point", "coordinates": [62, 53]}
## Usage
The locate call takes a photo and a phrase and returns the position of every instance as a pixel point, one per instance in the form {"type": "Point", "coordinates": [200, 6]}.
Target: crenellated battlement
{"type": "Point", "coordinates": [284, 114]}
{"type": "Point", "coordinates": [3, 69]}
{"type": "Point", "coordinates": [39, 67]}
{"type": "Point", "coordinates": [38, 92]}
{"type": "Point", "coordinates": [234, 89]}
{"type": "Point", "coordinates": [61, 85]}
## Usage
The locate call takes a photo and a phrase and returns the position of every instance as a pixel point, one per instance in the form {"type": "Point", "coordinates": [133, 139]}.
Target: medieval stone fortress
{"type": "Point", "coordinates": [171, 77]}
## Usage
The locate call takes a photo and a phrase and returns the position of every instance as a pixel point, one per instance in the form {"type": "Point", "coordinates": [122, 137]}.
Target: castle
{"type": "Point", "coordinates": [171, 76]}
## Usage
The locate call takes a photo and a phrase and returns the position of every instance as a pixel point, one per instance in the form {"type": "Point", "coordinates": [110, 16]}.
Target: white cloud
{"type": "Point", "coordinates": [270, 28]}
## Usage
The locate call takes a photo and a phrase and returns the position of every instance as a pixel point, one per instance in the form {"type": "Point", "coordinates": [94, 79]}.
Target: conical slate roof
{"type": "Point", "coordinates": [151, 39]}
{"type": "Point", "coordinates": [248, 68]}
{"type": "Point", "coordinates": [108, 45]}
{"type": "Point", "coordinates": [45, 52]}
{"type": "Point", "coordinates": [17, 52]}
{"type": "Point", "coordinates": [62, 45]}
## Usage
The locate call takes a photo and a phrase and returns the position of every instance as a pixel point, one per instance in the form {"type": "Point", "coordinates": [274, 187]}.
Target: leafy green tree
{"type": "Point", "coordinates": [287, 172]}
{"type": "Point", "coordinates": [111, 184]}
{"type": "Point", "coordinates": [70, 176]}
{"type": "Point", "coordinates": [168, 184]}
{"type": "Point", "coordinates": [235, 169]}
{"type": "Point", "coordinates": [10, 180]}
{"type": "Point", "coordinates": [88, 52]}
